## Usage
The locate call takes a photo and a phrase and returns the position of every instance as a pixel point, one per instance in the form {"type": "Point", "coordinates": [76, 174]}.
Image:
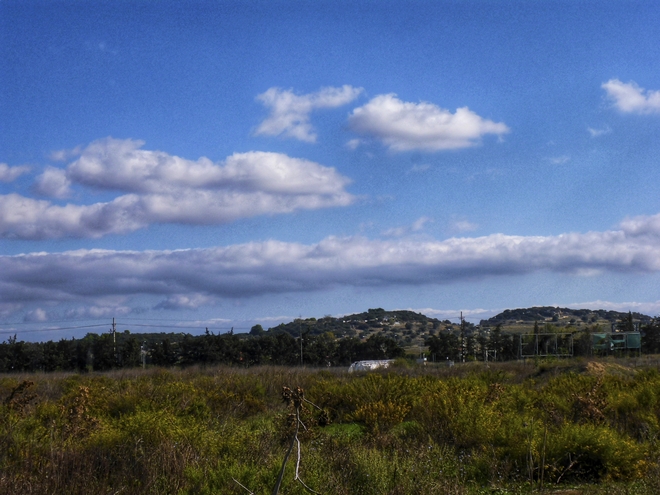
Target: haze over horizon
{"type": "Point", "coordinates": [215, 164]}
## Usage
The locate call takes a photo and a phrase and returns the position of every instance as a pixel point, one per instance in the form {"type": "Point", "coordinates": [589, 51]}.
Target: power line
{"type": "Point", "coordinates": [51, 329]}
{"type": "Point", "coordinates": [181, 326]}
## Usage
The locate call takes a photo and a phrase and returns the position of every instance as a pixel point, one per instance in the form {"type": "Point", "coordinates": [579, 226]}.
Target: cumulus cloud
{"type": "Point", "coordinates": [53, 183]}
{"type": "Point", "coordinates": [289, 113]}
{"type": "Point", "coordinates": [643, 225]}
{"type": "Point", "coordinates": [64, 155]}
{"type": "Point", "coordinates": [185, 278]}
{"type": "Point", "coordinates": [630, 98]}
{"type": "Point", "coordinates": [36, 316]}
{"type": "Point", "coordinates": [161, 188]}
{"type": "Point", "coordinates": [10, 174]}
{"type": "Point", "coordinates": [424, 126]}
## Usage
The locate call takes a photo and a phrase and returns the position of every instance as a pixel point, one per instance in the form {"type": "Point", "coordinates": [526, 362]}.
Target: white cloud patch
{"type": "Point", "coordinates": [424, 126]}
{"type": "Point", "coordinates": [10, 174]}
{"type": "Point", "coordinates": [95, 312]}
{"type": "Point", "coordinates": [36, 316]}
{"type": "Point", "coordinates": [630, 98]}
{"type": "Point", "coordinates": [64, 155]}
{"type": "Point", "coordinates": [289, 112]}
{"type": "Point", "coordinates": [185, 278]}
{"type": "Point", "coordinates": [161, 188]}
{"type": "Point", "coordinates": [463, 226]}
{"type": "Point", "coordinates": [417, 226]}
{"type": "Point", "coordinates": [183, 301]}
{"type": "Point", "coordinates": [53, 183]}
{"type": "Point", "coordinates": [599, 132]}
{"type": "Point", "coordinates": [643, 225]}
{"type": "Point", "coordinates": [559, 160]}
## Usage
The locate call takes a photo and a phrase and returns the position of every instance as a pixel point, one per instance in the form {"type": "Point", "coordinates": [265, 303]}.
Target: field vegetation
{"type": "Point", "coordinates": [588, 425]}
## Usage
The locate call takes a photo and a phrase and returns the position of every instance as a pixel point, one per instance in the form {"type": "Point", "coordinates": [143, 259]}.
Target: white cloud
{"type": "Point", "coordinates": [421, 126]}
{"type": "Point", "coordinates": [289, 113]}
{"type": "Point", "coordinates": [53, 183]}
{"type": "Point", "coordinates": [95, 311]}
{"type": "Point", "coordinates": [186, 278]}
{"type": "Point", "coordinates": [643, 225]}
{"type": "Point", "coordinates": [64, 155]}
{"type": "Point", "coordinates": [36, 316]}
{"type": "Point", "coordinates": [168, 189]}
{"type": "Point", "coordinates": [10, 174]}
{"type": "Point", "coordinates": [463, 226]}
{"type": "Point", "coordinates": [183, 301]}
{"type": "Point", "coordinates": [416, 226]}
{"type": "Point", "coordinates": [559, 160]}
{"type": "Point", "coordinates": [599, 132]}
{"type": "Point", "coordinates": [420, 223]}
{"type": "Point", "coordinates": [122, 165]}
{"type": "Point", "coordinates": [630, 98]}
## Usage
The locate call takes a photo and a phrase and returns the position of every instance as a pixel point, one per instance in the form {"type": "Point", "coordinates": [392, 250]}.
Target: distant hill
{"type": "Point", "coordinates": [558, 315]}
{"type": "Point", "coordinates": [410, 329]}
{"type": "Point", "coordinates": [397, 324]}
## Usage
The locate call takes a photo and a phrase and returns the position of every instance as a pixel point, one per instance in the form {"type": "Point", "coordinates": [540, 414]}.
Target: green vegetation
{"type": "Point", "coordinates": [467, 429]}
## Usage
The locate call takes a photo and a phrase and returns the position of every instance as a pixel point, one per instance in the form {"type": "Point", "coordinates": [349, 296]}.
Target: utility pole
{"type": "Point", "coordinates": [114, 340]}
{"type": "Point", "coordinates": [462, 338]}
{"type": "Point", "coordinates": [300, 332]}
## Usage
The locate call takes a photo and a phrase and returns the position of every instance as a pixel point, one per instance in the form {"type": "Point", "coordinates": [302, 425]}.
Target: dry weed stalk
{"type": "Point", "coordinates": [295, 399]}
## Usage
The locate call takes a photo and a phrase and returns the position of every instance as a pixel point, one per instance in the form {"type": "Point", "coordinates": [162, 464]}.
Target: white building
{"type": "Point", "coordinates": [369, 365]}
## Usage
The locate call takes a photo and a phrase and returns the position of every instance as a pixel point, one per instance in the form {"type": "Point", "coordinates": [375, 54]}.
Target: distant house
{"type": "Point", "coordinates": [369, 365]}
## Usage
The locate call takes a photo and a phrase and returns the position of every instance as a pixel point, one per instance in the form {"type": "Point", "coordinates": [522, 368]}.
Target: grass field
{"type": "Point", "coordinates": [571, 426]}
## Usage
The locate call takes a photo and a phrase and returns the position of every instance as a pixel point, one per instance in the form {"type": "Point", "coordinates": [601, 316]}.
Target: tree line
{"type": "Point", "coordinates": [101, 352]}
{"type": "Point", "coordinates": [477, 344]}
{"type": "Point", "coordinates": [106, 351]}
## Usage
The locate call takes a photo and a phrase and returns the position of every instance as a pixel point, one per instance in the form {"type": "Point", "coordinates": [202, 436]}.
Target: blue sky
{"type": "Point", "coordinates": [218, 164]}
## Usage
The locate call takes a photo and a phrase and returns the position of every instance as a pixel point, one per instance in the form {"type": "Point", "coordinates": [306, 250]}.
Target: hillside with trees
{"type": "Point", "coordinates": [561, 317]}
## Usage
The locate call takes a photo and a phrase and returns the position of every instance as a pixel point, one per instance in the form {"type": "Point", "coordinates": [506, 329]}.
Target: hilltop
{"type": "Point", "coordinates": [560, 317]}
{"type": "Point", "coordinates": [405, 327]}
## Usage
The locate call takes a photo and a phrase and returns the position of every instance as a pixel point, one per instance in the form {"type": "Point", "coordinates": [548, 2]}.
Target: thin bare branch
{"type": "Point", "coordinates": [298, 462]}
{"type": "Point", "coordinates": [307, 488]}
{"type": "Point", "coordinates": [243, 486]}
{"type": "Point", "coordinates": [276, 490]}
{"type": "Point", "coordinates": [310, 402]}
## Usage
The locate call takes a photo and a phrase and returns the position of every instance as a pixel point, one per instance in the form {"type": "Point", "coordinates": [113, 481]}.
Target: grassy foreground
{"type": "Point", "coordinates": [571, 427]}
